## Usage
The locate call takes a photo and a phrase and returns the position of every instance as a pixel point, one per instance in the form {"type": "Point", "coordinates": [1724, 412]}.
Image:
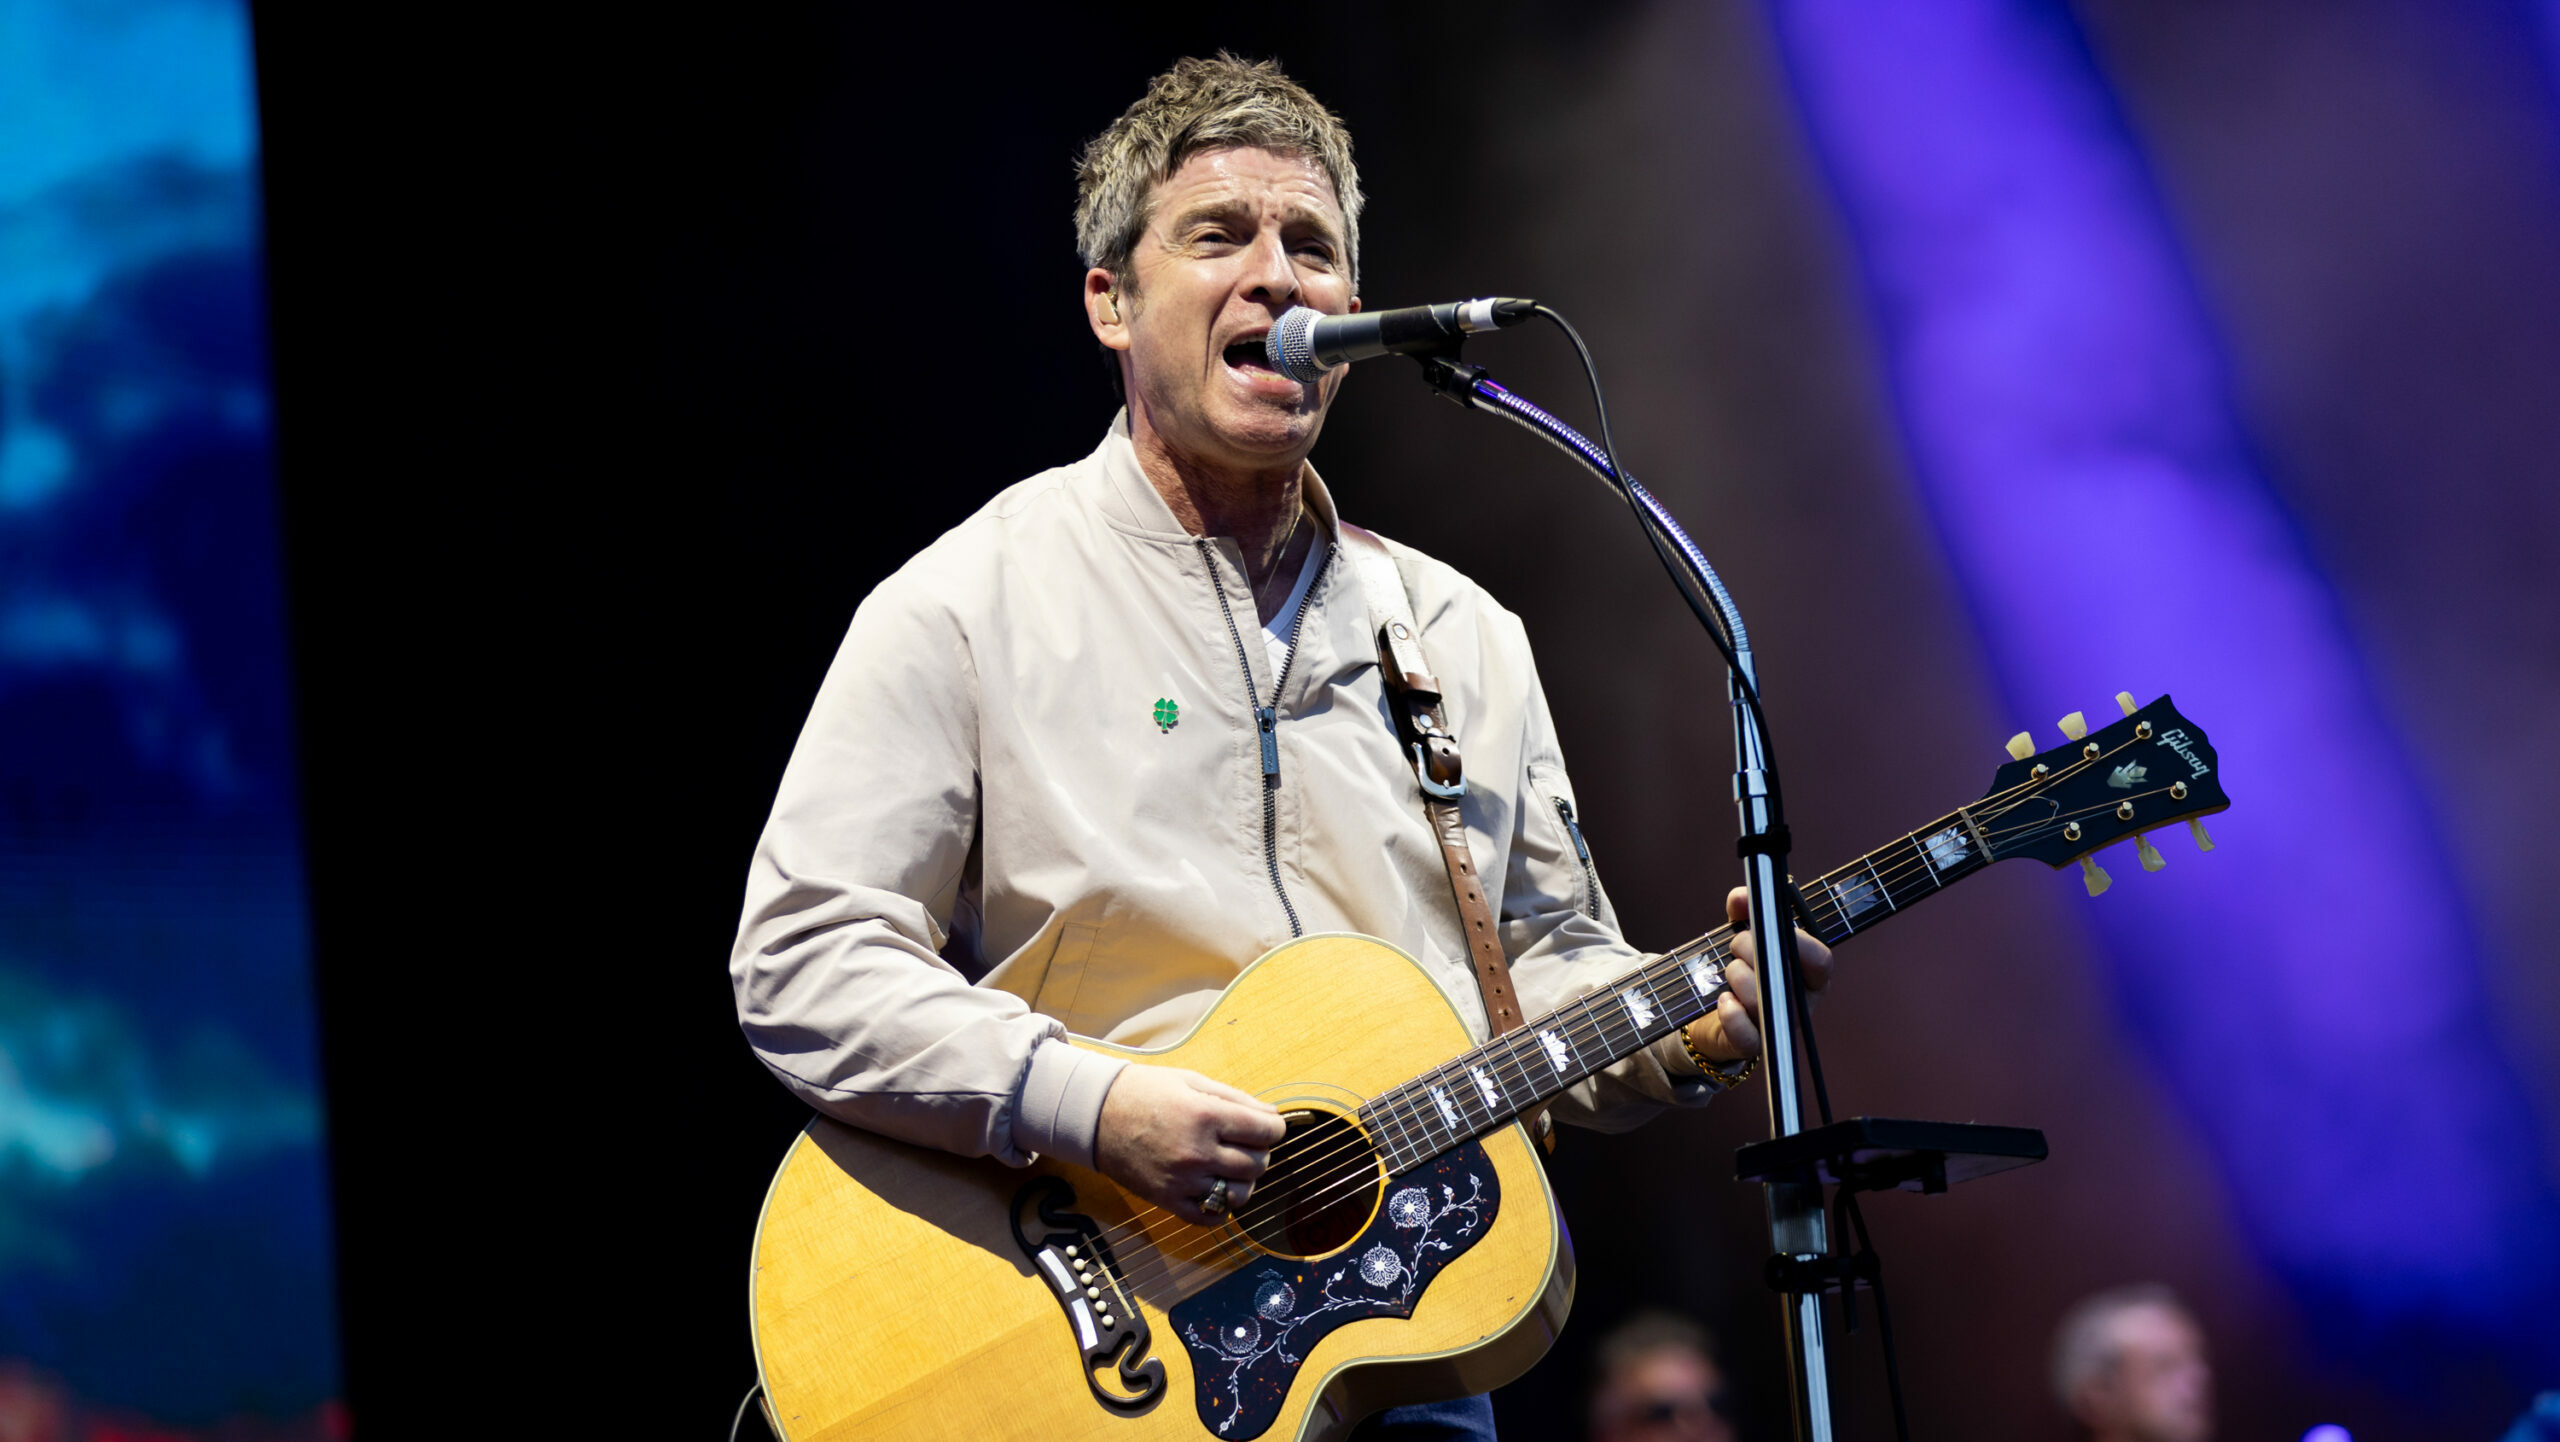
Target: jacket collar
{"type": "Point", "coordinates": [1131, 502]}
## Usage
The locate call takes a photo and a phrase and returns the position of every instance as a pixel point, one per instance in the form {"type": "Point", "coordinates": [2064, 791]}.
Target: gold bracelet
{"type": "Point", "coordinates": [1715, 1070]}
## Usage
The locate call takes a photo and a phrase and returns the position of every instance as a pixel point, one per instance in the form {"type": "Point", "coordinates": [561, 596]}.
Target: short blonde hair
{"type": "Point", "coordinates": [1220, 103]}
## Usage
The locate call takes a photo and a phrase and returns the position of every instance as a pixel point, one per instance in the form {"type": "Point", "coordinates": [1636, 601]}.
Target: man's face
{"type": "Point", "coordinates": [1236, 238]}
{"type": "Point", "coordinates": [2161, 1387]}
{"type": "Point", "coordinates": [1669, 1394]}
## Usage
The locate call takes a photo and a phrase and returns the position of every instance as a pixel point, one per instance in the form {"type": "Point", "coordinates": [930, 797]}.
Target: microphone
{"type": "Point", "coordinates": [1304, 343]}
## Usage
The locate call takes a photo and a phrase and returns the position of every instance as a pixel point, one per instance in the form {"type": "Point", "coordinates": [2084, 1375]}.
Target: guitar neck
{"type": "Point", "coordinates": [1488, 1088]}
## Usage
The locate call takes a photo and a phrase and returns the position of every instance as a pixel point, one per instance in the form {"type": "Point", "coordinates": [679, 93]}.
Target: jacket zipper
{"type": "Point", "coordinates": [1266, 719]}
{"type": "Point", "coordinates": [1590, 873]}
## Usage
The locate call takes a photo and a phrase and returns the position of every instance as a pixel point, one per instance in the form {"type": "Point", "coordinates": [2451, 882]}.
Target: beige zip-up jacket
{"type": "Point", "coordinates": [986, 838]}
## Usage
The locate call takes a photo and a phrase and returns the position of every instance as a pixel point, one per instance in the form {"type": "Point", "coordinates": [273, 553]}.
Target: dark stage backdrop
{"type": "Point", "coordinates": [617, 363]}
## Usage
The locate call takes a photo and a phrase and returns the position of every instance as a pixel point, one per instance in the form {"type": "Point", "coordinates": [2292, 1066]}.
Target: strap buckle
{"type": "Point", "coordinates": [1423, 767]}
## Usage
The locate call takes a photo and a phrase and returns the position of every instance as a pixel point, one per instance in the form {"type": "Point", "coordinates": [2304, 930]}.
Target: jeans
{"type": "Point", "coordinates": [1469, 1419]}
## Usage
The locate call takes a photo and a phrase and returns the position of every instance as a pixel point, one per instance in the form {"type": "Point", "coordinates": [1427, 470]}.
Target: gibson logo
{"type": "Point", "coordinates": [2127, 776]}
{"type": "Point", "coordinates": [2175, 738]}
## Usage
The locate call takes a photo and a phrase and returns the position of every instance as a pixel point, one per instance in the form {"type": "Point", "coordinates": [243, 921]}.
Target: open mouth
{"type": "Point", "coordinates": [1248, 354]}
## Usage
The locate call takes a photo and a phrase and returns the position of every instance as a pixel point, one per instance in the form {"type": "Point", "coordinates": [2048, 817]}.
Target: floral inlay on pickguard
{"type": "Point", "coordinates": [1249, 1332]}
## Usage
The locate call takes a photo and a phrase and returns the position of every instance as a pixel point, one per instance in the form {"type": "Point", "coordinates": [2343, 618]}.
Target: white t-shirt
{"type": "Point", "coordinates": [1275, 632]}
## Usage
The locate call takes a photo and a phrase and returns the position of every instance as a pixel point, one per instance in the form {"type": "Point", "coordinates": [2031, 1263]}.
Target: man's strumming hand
{"type": "Point", "coordinates": [1168, 1134]}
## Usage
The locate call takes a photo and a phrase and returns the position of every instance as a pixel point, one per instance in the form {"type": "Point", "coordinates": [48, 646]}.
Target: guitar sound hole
{"type": "Point", "coordinates": [1321, 1189]}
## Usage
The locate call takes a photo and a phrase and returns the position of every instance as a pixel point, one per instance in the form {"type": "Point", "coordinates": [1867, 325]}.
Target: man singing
{"type": "Point", "coordinates": [1093, 751]}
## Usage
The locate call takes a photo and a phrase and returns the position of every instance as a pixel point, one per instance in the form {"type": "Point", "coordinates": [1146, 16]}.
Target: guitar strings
{"type": "Point", "coordinates": [1322, 1180]}
{"type": "Point", "coordinates": [1370, 1167]}
{"type": "Point", "coordinates": [1368, 1149]}
{"type": "Point", "coordinates": [1336, 1180]}
{"type": "Point", "coordinates": [1325, 1178]}
{"type": "Point", "coordinates": [1509, 1066]}
{"type": "Point", "coordinates": [1333, 1180]}
{"type": "Point", "coordinates": [1401, 1115]}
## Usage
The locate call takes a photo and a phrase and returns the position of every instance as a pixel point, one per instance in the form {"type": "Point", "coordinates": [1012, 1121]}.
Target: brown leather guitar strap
{"type": "Point", "coordinates": [1413, 696]}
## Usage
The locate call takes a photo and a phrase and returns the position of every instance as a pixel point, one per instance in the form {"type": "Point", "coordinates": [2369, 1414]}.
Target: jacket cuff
{"type": "Point", "coordinates": [1059, 1109]}
{"type": "Point", "coordinates": [1689, 1084]}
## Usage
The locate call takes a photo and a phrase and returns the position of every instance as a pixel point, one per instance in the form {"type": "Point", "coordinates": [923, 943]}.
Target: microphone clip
{"type": "Point", "coordinates": [1445, 372]}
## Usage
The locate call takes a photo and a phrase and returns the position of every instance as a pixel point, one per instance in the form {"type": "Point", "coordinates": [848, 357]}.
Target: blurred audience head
{"type": "Point", "coordinates": [2129, 1365]}
{"type": "Point", "coordinates": [1659, 1382]}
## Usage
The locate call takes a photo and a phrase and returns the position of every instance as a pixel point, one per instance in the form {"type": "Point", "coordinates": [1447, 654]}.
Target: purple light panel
{"type": "Point", "coordinates": [2309, 991]}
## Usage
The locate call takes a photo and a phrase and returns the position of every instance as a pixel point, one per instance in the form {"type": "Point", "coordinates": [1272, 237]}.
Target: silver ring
{"type": "Point", "coordinates": [1215, 1204]}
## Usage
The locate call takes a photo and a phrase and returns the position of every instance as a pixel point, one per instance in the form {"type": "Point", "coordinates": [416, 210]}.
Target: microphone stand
{"type": "Point", "coordinates": [1797, 1233]}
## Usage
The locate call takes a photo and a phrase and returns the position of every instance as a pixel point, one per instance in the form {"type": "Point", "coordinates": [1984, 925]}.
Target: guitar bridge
{"type": "Point", "coordinates": [1110, 1332]}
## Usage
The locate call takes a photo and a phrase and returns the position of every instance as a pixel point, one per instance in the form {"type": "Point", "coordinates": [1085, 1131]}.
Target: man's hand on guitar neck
{"type": "Point", "coordinates": [1168, 1135]}
{"type": "Point", "coordinates": [1732, 1031]}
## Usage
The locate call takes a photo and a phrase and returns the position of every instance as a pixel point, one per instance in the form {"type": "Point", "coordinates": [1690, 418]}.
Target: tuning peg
{"type": "Point", "coordinates": [2094, 876]}
{"type": "Point", "coordinates": [2075, 725]}
{"type": "Point", "coordinates": [2021, 746]}
{"type": "Point", "coordinates": [2195, 827]}
{"type": "Point", "coordinates": [2150, 854]}
{"type": "Point", "coordinates": [2124, 700]}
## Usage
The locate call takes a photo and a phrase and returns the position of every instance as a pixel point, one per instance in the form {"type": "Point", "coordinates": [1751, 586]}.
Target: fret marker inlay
{"type": "Point", "coordinates": [1946, 849]}
{"type": "Point", "coordinates": [1484, 1083]}
{"type": "Point", "coordinates": [1638, 1009]}
{"type": "Point", "coordinates": [1555, 1051]}
{"type": "Point", "coordinates": [1447, 1111]}
{"type": "Point", "coordinates": [1857, 896]}
{"type": "Point", "coordinates": [1705, 975]}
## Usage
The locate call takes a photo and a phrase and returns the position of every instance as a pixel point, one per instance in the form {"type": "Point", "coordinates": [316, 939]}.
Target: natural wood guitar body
{"type": "Point", "coordinates": [890, 1299]}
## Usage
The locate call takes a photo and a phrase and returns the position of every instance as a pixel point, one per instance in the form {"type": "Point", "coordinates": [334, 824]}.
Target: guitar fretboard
{"type": "Point", "coordinates": [1512, 1075]}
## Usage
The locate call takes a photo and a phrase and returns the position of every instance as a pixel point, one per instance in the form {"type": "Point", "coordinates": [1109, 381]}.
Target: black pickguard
{"type": "Point", "coordinates": [1249, 1332]}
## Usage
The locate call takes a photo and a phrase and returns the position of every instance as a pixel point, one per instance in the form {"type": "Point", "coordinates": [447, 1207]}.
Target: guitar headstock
{"type": "Point", "coordinates": [2151, 769]}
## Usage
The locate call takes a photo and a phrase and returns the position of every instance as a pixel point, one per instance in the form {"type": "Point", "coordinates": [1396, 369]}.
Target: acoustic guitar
{"type": "Point", "coordinates": [1403, 1245]}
